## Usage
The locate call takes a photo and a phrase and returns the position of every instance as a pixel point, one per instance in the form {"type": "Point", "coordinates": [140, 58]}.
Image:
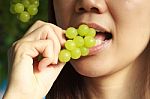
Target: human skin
{"type": "Point", "coordinates": [29, 77]}
{"type": "Point", "coordinates": [124, 59]}
{"type": "Point", "coordinates": [127, 20]}
{"type": "Point", "coordinates": [110, 73]}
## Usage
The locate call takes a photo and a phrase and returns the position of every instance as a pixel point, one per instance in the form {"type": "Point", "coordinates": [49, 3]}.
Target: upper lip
{"type": "Point", "coordinates": [97, 27]}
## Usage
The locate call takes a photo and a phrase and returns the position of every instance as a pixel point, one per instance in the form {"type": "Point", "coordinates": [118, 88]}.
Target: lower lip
{"type": "Point", "coordinates": [100, 47]}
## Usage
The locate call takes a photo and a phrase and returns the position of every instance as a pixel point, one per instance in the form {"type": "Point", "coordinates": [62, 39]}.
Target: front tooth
{"type": "Point", "coordinates": [98, 31]}
{"type": "Point", "coordinates": [98, 42]}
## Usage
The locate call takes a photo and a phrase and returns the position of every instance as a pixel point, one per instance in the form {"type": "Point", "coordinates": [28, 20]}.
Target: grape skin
{"type": "Point", "coordinates": [36, 3]}
{"type": "Point", "coordinates": [15, 1]}
{"type": "Point", "coordinates": [84, 51]}
{"type": "Point", "coordinates": [71, 33]}
{"type": "Point", "coordinates": [24, 16]}
{"type": "Point", "coordinates": [21, 6]}
{"type": "Point", "coordinates": [75, 53]}
{"type": "Point", "coordinates": [79, 41]}
{"type": "Point", "coordinates": [92, 32]}
{"type": "Point", "coordinates": [83, 30]}
{"type": "Point", "coordinates": [26, 3]}
{"type": "Point", "coordinates": [32, 9]}
{"type": "Point", "coordinates": [78, 44]}
{"type": "Point", "coordinates": [70, 44]}
{"type": "Point", "coordinates": [89, 41]}
{"type": "Point", "coordinates": [64, 55]}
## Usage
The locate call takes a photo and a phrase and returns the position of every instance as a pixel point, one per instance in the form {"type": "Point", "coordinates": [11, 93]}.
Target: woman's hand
{"type": "Point", "coordinates": [30, 78]}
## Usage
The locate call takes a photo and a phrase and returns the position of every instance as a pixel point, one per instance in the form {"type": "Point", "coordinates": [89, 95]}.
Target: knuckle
{"type": "Point", "coordinates": [39, 22]}
{"type": "Point", "coordinates": [52, 25]}
{"type": "Point", "coordinates": [20, 46]}
{"type": "Point", "coordinates": [49, 42]}
{"type": "Point", "coordinates": [55, 27]}
{"type": "Point", "coordinates": [47, 27]}
{"type": "Point", "coordinates": [17, 47]}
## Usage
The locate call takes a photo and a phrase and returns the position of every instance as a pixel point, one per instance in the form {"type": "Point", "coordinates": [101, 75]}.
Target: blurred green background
{"type": "Point", "coordinates": [11, 29]}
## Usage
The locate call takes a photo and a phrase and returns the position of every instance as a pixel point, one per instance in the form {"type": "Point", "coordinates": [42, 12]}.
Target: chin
{"type": "Point", "coordinates": [92, 67]}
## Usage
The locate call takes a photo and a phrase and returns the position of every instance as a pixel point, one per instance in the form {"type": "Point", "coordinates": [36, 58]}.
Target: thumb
{"type": "Point", "coordinates": [47, 77]}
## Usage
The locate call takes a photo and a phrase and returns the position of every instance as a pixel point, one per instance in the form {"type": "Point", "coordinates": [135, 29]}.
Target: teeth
{"type": "Point", "coordinates": [100, 31]}
{"type": "Point", "coordinates": [98, 42]}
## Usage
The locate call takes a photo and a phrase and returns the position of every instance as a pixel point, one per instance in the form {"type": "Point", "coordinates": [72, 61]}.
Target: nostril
{"type": "Point", "coordinates": [95, 10]}
{"type": "Point", "coordinates": [81, 10]}
{"type": "Point", "coordinates": [91, 6]}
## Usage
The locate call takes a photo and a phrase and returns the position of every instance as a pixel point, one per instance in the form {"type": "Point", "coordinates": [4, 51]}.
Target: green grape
{"type": "Point", "coordinates": [24, 9]}
{"type": "Point", "coordinates": [75, 53]}
{"type": "Point", "coordinates": [32, 1]}
{"type": "Point", "coordinates": [19, 8]}
{"type": "Point", "coordinates": [70, 44]}
{"type": "Point", "coordinates": [64, 55]}
{"type": "Point", "coordinates": [89, 41]}
{"type": "Point", "coordinates": [92, 32]}
{"type": "Point", "coordinates": [32, 9]}
{"type": "Point", "coordinates": [24, 16]}
{"type": "Point", "coordinates": [26, 3]}
{"type": "Point", "coordinates": [12, 8]}
{"type": "Point", "coordinates": [36, 3]}
{"type": "Point", "coordinates": [71, 33]}
{"type": "Point", "coordinates": [77, 46]}
{"type": "Point", "coordinates": [84, 51]}
{"type": "Point", "coordinates": [83, 30]}
{"type": "Point", "coordinates": [16, 1]}
{"type": "Point", "coordinates": [79, 41]}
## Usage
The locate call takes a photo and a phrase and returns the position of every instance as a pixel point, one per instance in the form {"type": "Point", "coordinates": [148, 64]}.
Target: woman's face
{"type": "Point", "coordinates": [128, 21]}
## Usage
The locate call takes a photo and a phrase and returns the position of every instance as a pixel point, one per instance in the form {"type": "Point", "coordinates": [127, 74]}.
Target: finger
{"type": "Point", "coordinates": [35, 26]}
{"type": "Point", "coordinates": [48, 55]}
{"type": "Point", "coordinates": [27, 51]}
{"type": "Point", "coordinates": [46, 32]}
{"type": "Point", "coordinates": [49, 75]}
{"type": "Point", "coordinates": [45, 47]}
{"type": "Point", "coordinates": [60, 33]}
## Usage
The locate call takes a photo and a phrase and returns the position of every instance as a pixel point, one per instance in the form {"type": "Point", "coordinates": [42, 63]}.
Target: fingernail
{"type": "Point", "coordinates": [56, 61]}
{"type": "Point", "coordinates": [64, 31]}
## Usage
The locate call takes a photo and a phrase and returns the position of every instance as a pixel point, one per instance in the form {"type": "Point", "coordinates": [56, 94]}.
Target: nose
{"type": "Point", "coordinates": [94, 6]}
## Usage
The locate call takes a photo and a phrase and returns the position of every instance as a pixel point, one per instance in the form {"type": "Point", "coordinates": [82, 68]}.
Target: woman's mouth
{"type": "Point", "coordinates": [103, 39]}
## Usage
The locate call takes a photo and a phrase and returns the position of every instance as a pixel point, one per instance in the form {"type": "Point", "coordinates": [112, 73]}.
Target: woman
{"type": "Point", "coordinates": [118, 69]}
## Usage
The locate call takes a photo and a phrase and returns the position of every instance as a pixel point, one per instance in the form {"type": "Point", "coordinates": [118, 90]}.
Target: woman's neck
{"type": "Point", "coordinates": [124, 84]}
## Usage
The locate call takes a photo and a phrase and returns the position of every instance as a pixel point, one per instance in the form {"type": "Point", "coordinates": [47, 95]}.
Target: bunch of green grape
{"type": "Point", "coordinates": [24, 9]}
{"type": "Point", "coordinates": [78, 43]}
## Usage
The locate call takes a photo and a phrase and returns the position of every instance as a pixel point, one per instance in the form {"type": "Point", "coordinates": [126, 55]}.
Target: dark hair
{"type": "Point", "coordinates": [69, 84]}
{"type": "Point", "coordinates": [51, 13]}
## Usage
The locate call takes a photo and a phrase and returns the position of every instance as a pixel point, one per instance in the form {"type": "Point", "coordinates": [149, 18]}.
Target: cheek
{"type": "Point", "coordinates": [132, 24]}
{"type": "Point", "coordinates": [63, 12]}
{"type": "Point", "coordinates": [126, 10]}
{"type": "Point", "coordinates": [132, 21]}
